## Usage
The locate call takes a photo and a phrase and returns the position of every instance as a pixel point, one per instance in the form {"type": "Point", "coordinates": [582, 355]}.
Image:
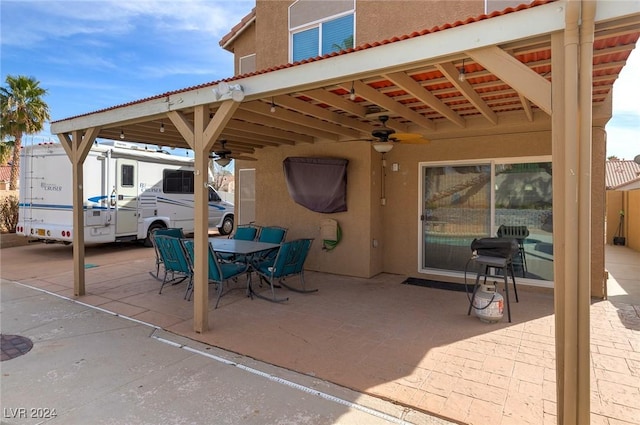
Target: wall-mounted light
{"type": "Point", "coordinates": [352, 93]}
{"type": "Point", "coordinates": [161, 127]}
{"type": "Point", "coordinates": [273, 107]}
{"type": "Point", "coordinates": [122, 134]}
{"type": "Point", "coordinates": [235, 91]}
{"type": "Point", "coordinates": [462, 75]}
{"type": "Point", "coordinates": [383, 147]}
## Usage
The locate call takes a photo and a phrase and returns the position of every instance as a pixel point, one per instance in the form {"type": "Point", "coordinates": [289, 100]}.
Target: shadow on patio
{"type": "Point", "coordinates": [413, 345]}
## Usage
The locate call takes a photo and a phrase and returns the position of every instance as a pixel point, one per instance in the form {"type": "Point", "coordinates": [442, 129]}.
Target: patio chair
{"type": "Point", "coordinates": [519, 233]}
{"type": "Point", "coordinates": [219, 272]}
{"type": "Point", "coordinates": [176, 232]}
{"type": "Point", "coordinates": [174, 260]}
{"type": "Point", "coordinates": [288, 262]}
{"type": "Point", "coordinates": [270, 234]}
{"type": "Point", "coordinates": [244, 232]}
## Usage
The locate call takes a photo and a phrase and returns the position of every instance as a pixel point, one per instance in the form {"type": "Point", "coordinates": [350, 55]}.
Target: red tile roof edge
{"type": "Point", "coordinates": [238, 28]}
{"type": "Point", "coordinates": [329, 55]}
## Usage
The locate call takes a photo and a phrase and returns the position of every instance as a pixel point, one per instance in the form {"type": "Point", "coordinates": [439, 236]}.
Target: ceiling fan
{"type": "Point", "coordinates": [224, 156]}
{"type": "Point", "coordinates": [386, 134]}
{"type": "Point", "coordinates": [384, 137]}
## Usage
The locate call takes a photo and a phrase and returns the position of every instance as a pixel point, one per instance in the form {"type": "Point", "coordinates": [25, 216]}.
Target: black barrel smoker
{"type": "Point", "coordinates": [494, 258]}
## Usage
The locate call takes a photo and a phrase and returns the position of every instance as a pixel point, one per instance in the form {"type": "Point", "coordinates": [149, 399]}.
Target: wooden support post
{"type": "Point", "coordinates": [77, 148]}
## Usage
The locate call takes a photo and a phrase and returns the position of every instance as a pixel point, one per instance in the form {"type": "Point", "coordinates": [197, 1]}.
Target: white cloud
{"type": "Point", "coordinates": [40, 20]}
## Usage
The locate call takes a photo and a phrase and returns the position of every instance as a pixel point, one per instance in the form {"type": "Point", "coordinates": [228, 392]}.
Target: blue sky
{"type": "Point", "coordinates": [92, 54]}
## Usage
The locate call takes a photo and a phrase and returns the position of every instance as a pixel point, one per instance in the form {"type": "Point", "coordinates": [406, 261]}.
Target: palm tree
{"type": "Point", "coordinates": [23, 112]}
{"type": "Point", "coordinates": [6, 149]}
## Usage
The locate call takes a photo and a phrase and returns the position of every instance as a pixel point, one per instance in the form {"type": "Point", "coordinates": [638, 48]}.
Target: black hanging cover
{"type": "Point", "coordinates": [319, 184]}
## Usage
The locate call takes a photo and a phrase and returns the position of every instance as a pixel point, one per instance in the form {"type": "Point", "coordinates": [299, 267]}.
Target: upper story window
{"type": "Point", "coordinates": [316, 31]}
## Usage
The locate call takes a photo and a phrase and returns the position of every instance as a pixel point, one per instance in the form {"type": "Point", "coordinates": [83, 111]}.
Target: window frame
{"type": "Point", "coordinates": [493, 162]}
{"type": "Point", "coordinates": [169, 189]}
{"type": "Point", "coordinates": [319, 24]}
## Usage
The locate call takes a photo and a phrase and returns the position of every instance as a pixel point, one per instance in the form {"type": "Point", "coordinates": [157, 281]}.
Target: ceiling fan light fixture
{"type": "Point", "coordinates": [383, 147]}
{"type": "Point", "coordinates": [223, 162]}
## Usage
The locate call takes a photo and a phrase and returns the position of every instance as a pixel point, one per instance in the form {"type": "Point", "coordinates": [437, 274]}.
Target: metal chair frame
{"type": "Point", "coordinates": [167, 231]}
{"type": "Point", "coordinates": [174, 259]}
{"type": "Point", "coordinates": [219, 271]}
{"type": "Point", "coordinates": [289, 261]}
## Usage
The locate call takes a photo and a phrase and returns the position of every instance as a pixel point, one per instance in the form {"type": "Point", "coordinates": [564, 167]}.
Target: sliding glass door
{"type": "Point", "coordinates": [461, 202]}
{"type": "Point", "coordinates": [523, 210]}
{"type": "Point", "coordinates": [456, 208]}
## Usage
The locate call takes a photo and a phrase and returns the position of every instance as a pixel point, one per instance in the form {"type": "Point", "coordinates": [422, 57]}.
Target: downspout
{"type": "Point", "coordinates": [585, 276]}
{"type": "Point", "coordinates": [567, 349]}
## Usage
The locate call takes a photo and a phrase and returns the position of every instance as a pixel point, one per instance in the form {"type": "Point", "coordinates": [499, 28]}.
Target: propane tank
{"type": "Point", "coordinates": [488, 304]}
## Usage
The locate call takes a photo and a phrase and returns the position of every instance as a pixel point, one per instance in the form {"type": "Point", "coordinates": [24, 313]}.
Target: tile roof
{"type": "Point", "coordinates": [328, 55]}
{"type": "Point", "coordinates": [324, 110]}
{"type": "Point", "coordinates": [5, 173]}
{"type": "Point", "coordinates": [620, 173]}
{"type": "Point", "coordinates": [238, 28]}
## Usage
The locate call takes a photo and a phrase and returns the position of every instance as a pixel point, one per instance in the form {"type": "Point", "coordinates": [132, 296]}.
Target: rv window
{"type": "Point", "coordinates": [213, 196]}
{"type": "Point", "coordinates": [177, 181]}
{"type": "Point", "coordinates": [127, 175]}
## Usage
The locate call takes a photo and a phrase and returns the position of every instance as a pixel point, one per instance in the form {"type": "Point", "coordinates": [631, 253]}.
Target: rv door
{"type": "Point", "coordinates": [126, 196]}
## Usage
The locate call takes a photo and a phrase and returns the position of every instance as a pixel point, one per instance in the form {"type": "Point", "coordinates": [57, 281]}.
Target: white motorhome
{"type": "Point", "coordinates": [128, 192]}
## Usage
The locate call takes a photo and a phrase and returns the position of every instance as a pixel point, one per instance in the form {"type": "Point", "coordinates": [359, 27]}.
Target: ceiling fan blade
{"type": "Point", "coordinates": [410, 138]}
{"type": "Point", "coordinates": [402, 137]}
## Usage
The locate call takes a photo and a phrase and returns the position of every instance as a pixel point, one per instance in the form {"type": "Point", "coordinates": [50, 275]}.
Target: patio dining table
{"type": "Point", "coordinates": [246, 249]}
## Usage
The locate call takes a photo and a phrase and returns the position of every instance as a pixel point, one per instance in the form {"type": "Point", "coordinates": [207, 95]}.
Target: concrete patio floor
{"type": "Point", "coordinates": [413, 345]}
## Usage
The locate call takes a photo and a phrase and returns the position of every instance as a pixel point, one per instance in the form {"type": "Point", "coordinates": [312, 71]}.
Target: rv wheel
{"type": "Point", "coordinates": [227, 226]}
{"type": "Point", "coordinates": [147, 241]}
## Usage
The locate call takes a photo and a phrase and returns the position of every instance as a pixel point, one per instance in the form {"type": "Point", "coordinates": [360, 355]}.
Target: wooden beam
{"type": "Point", "coordinates": [77, 147]}
{"type": "Point", "coordinates": [451, 73]}
{"type": "Point", "coordinates": [384, 101]}
{"type": "Point", "coordinates": [345, 124]}
{"type": "Point", "coordinates": [414, 88]}
{"type": "Point", "coordinates": [515, 74]}
{"type": "Point", "coordinates": [284, 121]}
{"type": "Point", "coordinates": [526, 106]}
{"type": "Point", "coordinates": [273, 133]}
{"type": "Point", "coordinates": [184, 127]}
{"type": "Point", "coordinates": [336, 101]}
{"type": "Point", "coordinates": [287, 120]}
{"type": "Point", "coordinates": [205, 133]}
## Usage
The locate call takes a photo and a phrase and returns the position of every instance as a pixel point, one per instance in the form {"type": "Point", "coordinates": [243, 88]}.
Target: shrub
{"type": "Point", "coordinates": [9, 214]}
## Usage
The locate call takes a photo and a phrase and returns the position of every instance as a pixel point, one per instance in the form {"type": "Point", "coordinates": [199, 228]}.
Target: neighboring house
{"type": "Point", "coordinates": [623, 194]}
{"type": "Point", "coordinates": [5, 176]}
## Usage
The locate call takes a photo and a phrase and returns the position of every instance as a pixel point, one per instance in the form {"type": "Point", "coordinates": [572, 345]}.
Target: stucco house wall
{"type": "Point", "coordinates": [375, 21]}
{"type": "Point", "coordinates": [393, 228]}
{"type": "Point", "coordinates": [353, 256]}
{"type": "Point", "coordinates": [376, 238]}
